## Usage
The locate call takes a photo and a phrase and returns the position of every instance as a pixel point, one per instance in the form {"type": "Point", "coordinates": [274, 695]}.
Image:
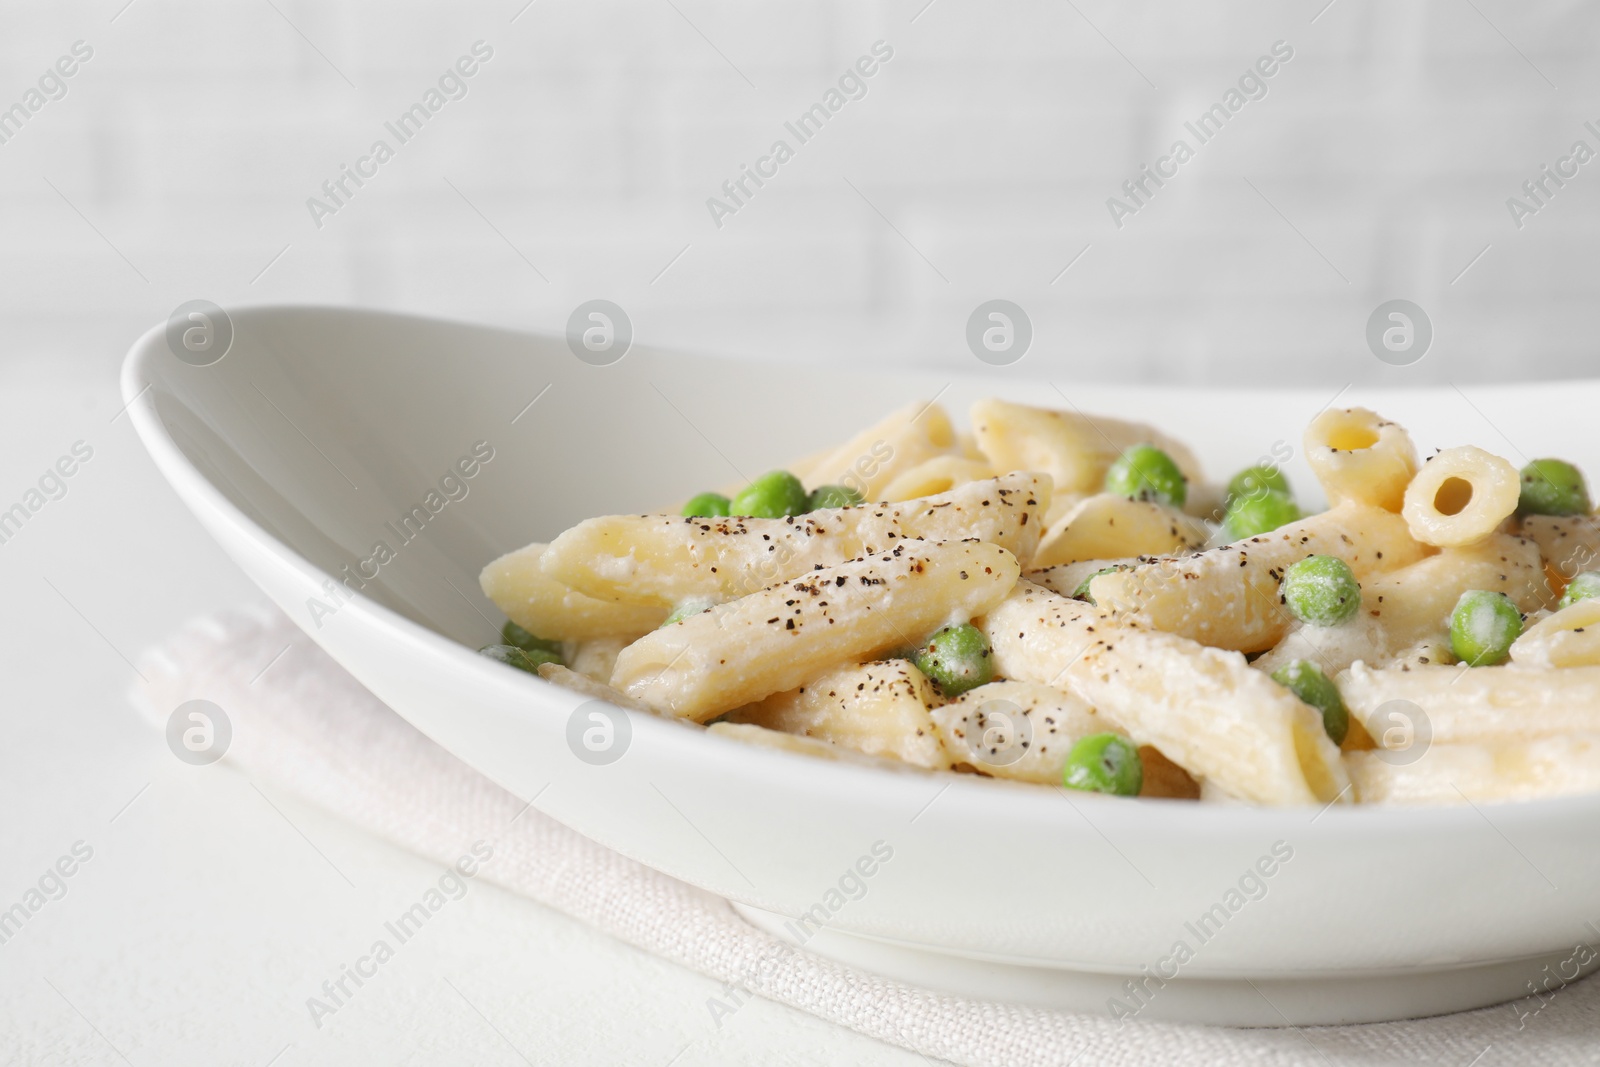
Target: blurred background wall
{"type": "Point", "coordinates": [178, 160]}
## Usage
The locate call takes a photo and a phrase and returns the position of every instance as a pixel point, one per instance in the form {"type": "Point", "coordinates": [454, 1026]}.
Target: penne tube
{"type": "Point", "coordinates": [1025, 731]}
{"type": "Point", "coordinates": [1066, 578]}
{"type": "Point", "coordinates": [880, 709]}
{"type": "Point", "coordinates": [1468, 773]}
{"type": "Point", "coordinates": [1471, 704]}
{"type": "Point", "coordinates": [667, 560]}
{"type": "Point", "coordinates": [1107, 525]}
{"type": "Point", "coordinates": [1205, 709]}
{"type": "Point", "coordinates": [1568, 638]}
{"type": "Point", "coordinates": [547, 607]}
{"type": "Point", "coordinates": [1075, 450]}
{"type": "Point", "coordinates": [1360, 457]}
{"type": "Point", "coordinates": [1017, 730]}
{"type": "Point", "coordinates": [937, 475]}
{"type": "Point", "coordinates": [1414, 602]}
{"type": "Point", "coordinates": [778, 639]}
{"type": "Point", "coordinates": [1460, 497]}
{"type": "Point", "coordinates": [1060, 504]}
{"type": "Point", "coordinates": [1228, 597]}
{"type": "Point", "coordinates": [878, 455]}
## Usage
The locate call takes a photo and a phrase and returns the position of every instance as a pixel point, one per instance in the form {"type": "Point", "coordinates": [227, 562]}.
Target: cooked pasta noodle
{"type": "Point", "coordinates": [1460, 497]}
{"type": "Point", "coordinates": [1358, 455]}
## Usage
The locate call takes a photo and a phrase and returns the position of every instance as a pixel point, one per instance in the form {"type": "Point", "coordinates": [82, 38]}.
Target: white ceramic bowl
{"type": "Point", "coordinates": [320, 428]}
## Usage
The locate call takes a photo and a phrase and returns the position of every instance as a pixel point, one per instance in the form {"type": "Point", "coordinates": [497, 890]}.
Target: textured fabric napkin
{"type": "Point", "coordinates": [306, 725]}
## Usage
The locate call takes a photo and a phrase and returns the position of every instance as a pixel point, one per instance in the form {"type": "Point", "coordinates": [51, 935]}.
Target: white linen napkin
{"type": "Point", "coordinates": [306, 725]}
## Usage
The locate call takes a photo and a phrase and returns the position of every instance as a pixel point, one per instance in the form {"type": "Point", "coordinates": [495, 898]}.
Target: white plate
{"type": "Point", "coordinates": [320, 428]}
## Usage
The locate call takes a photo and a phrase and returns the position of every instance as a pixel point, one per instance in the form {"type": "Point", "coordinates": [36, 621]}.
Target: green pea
{"type": "Point", "coordinates": [707, 505]}
{"type": "Point", "coordinates": [1144, 472]}
{"type": "Point", "coordinates": [1254, 481]}
{"type": "Point", "coordinates": [521, 658]}
{"type": "Point", "coordinates": [1483, 626]}
{"type": "Point", "coordinates": [1082, 592]}
{"type": "Point", "coordinates": [771, 496]}
{"type": "Point", "coordinates": [955, 659]}
{"type": "Point", "coordinates": [1251, 516]}
{"type": "Point", "coordinates": [1306, 681]}
{"type": "Point", "coordinates": [1582, 587]}
{"type": "Point", "coordinates": [1104, 763]}
{"type": "Point", "coordinates": [832, 496]}
{"type": "Point", "coordinates": [512, 634]}
{"type": "Point", "coordinates": [1553, 487]}
{"type": "Point", "coordinates": [686, 610]}
{"type": "Point", "coordinates": [1321, 591]}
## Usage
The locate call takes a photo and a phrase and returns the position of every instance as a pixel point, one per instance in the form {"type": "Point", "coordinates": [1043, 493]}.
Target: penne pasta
{"type": "Point", "coordinates": [1568, 638]}
{"type": "Point", "coordinates": [1017, 730]}
{"type": "Point", "coordinates": [545, 606]}
{"type": "Point", "coordinates": [1068, 578]}
{"type": "Point", "coordinates": [1414, 602]}
{"type": "Point", "coordinates": [1473, 704]}
{"type": "Point", "coordinates": [1106, 525]}
{"type": "Point", "coordinates": [780, 638]}
{"type": "Point", "coordinates": [880, 709]}
{"type": "Point", "coordinates": [1205, 709]}
{"type": "Point", "coordinates": [1024, 731]}
{"type": "Point", "coordinates": [1075, 450]}
{"type": "Point", "coordinates": [881, 453]}
{"type": "Point", "coordinates": [1461, 496]}
{"type": "Point", "coordinates": [1228, 597]}
{"type": "Point", "coordinates": [667, 560]}
{"type": "Point", "coordinates": [937, 475]}
{"type": "Point", "coordinates": [1467, 773]}
{"type": "Point", "coordinates": [1360, 457]}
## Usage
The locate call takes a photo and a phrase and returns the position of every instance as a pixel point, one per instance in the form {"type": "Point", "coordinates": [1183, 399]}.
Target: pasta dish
{"type": "Point", "coordinates": [1066, 600]}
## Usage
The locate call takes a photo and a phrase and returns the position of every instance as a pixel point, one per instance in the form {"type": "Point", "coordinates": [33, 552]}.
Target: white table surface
{"type": "Point", "coordinates": [198, 929]}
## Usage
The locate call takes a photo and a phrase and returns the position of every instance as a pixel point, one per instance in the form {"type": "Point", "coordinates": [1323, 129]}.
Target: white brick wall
{"type": "Point", "coordinates": [991, 141]}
